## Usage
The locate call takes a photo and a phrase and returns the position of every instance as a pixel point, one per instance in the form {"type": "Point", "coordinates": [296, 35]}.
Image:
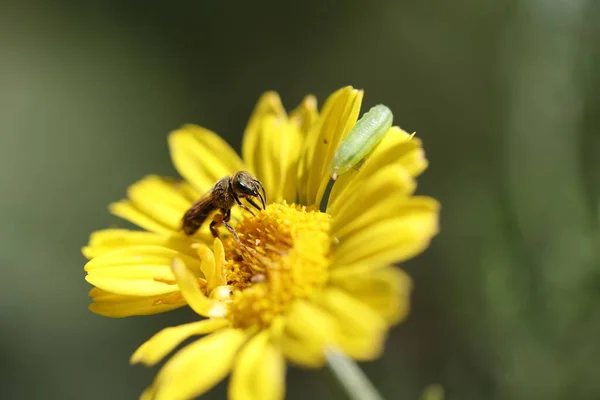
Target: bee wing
{"type": "Point", "coordinates": [197, 214]}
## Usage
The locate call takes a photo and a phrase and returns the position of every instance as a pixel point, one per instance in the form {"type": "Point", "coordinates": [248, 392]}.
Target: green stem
{"type": "Point", "coordinates": [352, 379]}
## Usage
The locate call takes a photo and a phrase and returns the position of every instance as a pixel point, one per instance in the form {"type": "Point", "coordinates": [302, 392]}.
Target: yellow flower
{"type": "Point", "coordinates": [299, 282]}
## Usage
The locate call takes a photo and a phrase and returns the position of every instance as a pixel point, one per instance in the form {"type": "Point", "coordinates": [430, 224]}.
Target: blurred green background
{"type": "Point", "coordinates": [504, 95]}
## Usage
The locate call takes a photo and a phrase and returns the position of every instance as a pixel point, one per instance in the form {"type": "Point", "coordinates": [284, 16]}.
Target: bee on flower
{"type": "Point", "coordinates": [289, 279]}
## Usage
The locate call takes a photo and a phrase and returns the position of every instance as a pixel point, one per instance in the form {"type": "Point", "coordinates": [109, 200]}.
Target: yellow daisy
{"type": "Point", "coordinates": [300, 281]}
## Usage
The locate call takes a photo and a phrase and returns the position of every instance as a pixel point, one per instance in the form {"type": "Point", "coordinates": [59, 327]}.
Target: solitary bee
{"type": "Point", "coordinates": [225, 194]}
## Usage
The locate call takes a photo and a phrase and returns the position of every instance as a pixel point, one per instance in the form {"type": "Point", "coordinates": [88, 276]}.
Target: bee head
{"type": "Point", "coordinates": [246, 185]}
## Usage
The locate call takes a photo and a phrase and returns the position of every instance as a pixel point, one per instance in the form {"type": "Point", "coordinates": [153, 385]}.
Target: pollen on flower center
{"type": "Point", "coordinates": [283, 256]}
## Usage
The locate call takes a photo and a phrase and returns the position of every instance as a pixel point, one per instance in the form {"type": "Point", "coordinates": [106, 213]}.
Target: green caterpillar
{"type": "Point", "coordinates": [365, 134]}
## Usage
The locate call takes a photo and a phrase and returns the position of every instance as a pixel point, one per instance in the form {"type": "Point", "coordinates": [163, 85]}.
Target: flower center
{"type": "Point", "coordinates": [283, 256]}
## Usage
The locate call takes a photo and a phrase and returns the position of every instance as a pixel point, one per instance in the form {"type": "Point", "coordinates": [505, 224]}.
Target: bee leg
{"type": "Point", "coordinates": [216, 222]}
{"type": "Point", "coordinates": [225, 222]}
{"type": "Point", "coordinates": [253, 203]}
{"type": "Point", "coordinates": [244, 207]}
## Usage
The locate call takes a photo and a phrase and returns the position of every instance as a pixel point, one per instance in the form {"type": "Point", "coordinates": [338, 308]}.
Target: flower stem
{"type": "Point", "coordinates": [351, 377]}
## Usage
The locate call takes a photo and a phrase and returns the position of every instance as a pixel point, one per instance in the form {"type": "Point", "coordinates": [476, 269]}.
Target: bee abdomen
{"type": "Point", "coordinates": [192, 222]}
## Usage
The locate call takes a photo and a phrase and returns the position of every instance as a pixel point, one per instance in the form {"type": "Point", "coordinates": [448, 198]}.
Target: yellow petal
{"type": "Point", "coordinates": [380, 198]}
{"type": "Point", "coordinates": [170, 193]}
{"type": "Point", "coordinates": [397, 148]}
{"type": "Point", "coordinates": [197, 300]}
{"type": "Point", "coordinates": [271, 148]}
{"type": "Point", "coordinates": [202, 157]}
{"type": "Point", "coordinates": [339, 115]}
{"type": "Point", "coordinates": [220, 262]}
{"type": "Point", "coordinates": [209, 268]}
{"type": "Point", "coordinates": [199, 366]}
{"type": "Point", "coordinates": [140, 255]}
{"type": "Point", "coordinates": [162, 343]}
{"type": "Point", "coordinates": [259, 371]}
{"type": "Point", "coordinates": [306, 165]}
{"type": "Point", "coordinates": [212, 265]}
{"type": "Point", "coordinates": [354, 317]}
{"type": "Point", "coordinates": [136, 270]}
{"type": "Point", "coordinates": [308, 329]}
{"type": "Point", "coordinates": [267, 162]}
{"type": "Point", "coordinates": [124, 209]}
{"type": "Point", "coordinates": [133, 280]}
{"type": "Point", "coordinates": [158, 205]}
{"type": "Point", "coordinates": [107, 240]}
{"type": "Point", "coordinates": [389, 241]}
{"type": "Point", "coordinates": [148, 394]}
{"type": "Point", "coordinates": [307, 320]}
{"type": "Point", "coordinates": [346, 122]}
{"type": "Point", "coordinates": [362, 330]}
{"type": "Point", "coordinates": [269, 105]}
{"type": "Point", "coordinates": [386, 291]}
{"type": "Point", "coordinates": [118, 306]}
{"type": "Point", "coordinates": [305, 115]}
{"type": "Point", "coordinates": [161, 200]}
{"type": "Point", "coordinates": [302, 353]}
{"type": "Point", "coordinates": [288, 155]}
{"type": "Point", "coordinates": [363, 348]}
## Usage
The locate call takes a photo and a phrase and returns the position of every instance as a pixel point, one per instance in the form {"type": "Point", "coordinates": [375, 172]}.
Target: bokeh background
{"type": "Point", "coordinates": [504, 94]}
